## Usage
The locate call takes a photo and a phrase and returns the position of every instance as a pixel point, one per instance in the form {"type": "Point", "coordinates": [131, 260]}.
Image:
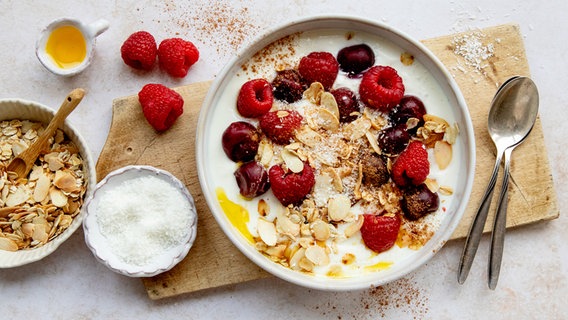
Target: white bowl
{"type": "Point", "coordinates": [99, 243]}
{"type": "Point", "coordinates": [219, 110]}
{"type": "Point", "coordinates": [23, 109]}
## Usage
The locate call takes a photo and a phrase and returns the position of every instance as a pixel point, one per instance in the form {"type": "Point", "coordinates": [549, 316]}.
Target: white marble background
{"type": "Point", "coordinates": [70, 284]}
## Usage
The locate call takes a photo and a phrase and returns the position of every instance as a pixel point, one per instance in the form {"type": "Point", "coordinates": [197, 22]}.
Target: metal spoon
{"type": "Point", "coordinates": [524, 113]}
{"type": "Point", "coordinates": [511, 118]}
{"type": "Point", "coordinates": [23, 163]}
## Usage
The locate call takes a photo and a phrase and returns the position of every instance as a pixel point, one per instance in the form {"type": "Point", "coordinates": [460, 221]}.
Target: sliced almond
{"type": "Point", "coordinates": [432, 184]}
{"type": "Point", "coordinates": [266, 152]}
{"type": "Point", "coordinates": [293, 162]}
{"type": "Point", "coordinates": [451, 134]}
{"type": "Point", "coordinates": [267, 232]}
{"type": "Point", "coordinates": [263, 208]}
{"type": "Point", "coordinates": [411, 123]}
{"type": "Point", "coordinates": [313, 93]}
{"type": "Point", "coordinates": [337, 182]}
{"type": "Point", "coordinates": [308, 136]}
{"type": "Point", "coordinates": [446, 191]}
{"type": "Point", "coordinates": [277, 251]}
{"type": "Point", "coordinates": [42, 188]}
{"type": "Point", "coordinates": [357, 128]}
{"type": "Point", "coordinates": [53, 161]}
{"type": "Point", "coordinates": [320, 230]}
{"type": "Point", "coordinates": [19, 196]}
{"type": "Point", "coordinates": [354, 226]}
{"type": "Point", "coordinates": [28, 229]}
{"type": "Point", "coordinates": [317, 255]}
{"type": "Point", "coordinates": [373, 142]}
{"type": "Point", "coordinates": [58, 198]}
{"type": "Point", "coordinates": [296, 258]}
{"type": "Point", "coordinates": [432, 118]}
{"type": "Point", "coordinates": [286, 226]}
{"type": "Point", "coordinates": [65, 221]}
{"type": "Point", "coordinates": [442, 154]}
{"type": "Point", "coordinates": [338, 207]}
{"type": "Point", "coordinates": [8, 244]}
{"type": "Point", "coordinates": [329, 103]}
{"type": "Point", "coordinates": [325, 119]}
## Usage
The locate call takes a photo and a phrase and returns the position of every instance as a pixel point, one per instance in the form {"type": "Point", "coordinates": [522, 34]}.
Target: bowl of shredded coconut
{"type": "Point", "coordinates": [140, 221]}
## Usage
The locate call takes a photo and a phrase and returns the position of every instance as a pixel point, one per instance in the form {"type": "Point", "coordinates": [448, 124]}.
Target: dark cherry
{"type": "Point", "coordinates": [409, 107]}
{"type": "Point", "coordinates": [356, 59]}
{"type": "Point", "coordinates": [347, 103]}
{"type": "Point", "coordinates": [287, 86]}
{"type": "Point", "coordinates": [418, 201]}
{"type": "Point", "coordinates": [240, 141]}
{"type": "Point", "coordinates": [252, 179]}
{"type": "Point", "coordinates": [393, 140]}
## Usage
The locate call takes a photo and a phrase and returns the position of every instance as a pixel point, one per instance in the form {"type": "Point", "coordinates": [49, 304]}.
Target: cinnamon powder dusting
{"type": "Point", "coordinates": [223, 26]}
{"type": "Point", "coordinates": [402, 299]}
{"type": "Point", "coordinates": [402, 296]}
{"type": "Point", "coordinates": [276, 56]}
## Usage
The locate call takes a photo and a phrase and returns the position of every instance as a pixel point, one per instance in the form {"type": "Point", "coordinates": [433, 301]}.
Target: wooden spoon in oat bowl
{"type": "Point", "coordinates": [23, 163]}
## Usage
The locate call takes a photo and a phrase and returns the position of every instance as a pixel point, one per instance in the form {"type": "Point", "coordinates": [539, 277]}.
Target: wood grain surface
{"type": "Point", "coordinates": [214, 261]}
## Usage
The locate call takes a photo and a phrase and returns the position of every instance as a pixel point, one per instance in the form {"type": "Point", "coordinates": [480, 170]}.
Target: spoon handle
{"type": "Point", "coordinates": [476, 229]}
{"type": "Point", "coordinates": [498, 234]}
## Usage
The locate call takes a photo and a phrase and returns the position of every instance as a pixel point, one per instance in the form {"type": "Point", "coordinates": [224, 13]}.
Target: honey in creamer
{"type": "Point", "coordinates": [66, 46]}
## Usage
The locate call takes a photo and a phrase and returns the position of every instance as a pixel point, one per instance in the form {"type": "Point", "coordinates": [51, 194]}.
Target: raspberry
{"type": "Point", "coordinates": [176, 56]}
{"type": "Point", "coordinates": [288, 86]}
{"type": "Point", "coordinates": [289, 187]}
{"type": "Point", "coordinates": [279, 126]}
{"type": "Point", "coordinates": [412, 165]}
{"type": "Point", "coordinates": [379, 233]}
{"type": "Point", "coordinates": [139, 50]}
{"type": "Point", "coordinates": [319, 67]}
{"type": "Point", "coordinates": [161, 105]}
{"type": "Point", "coordinates": [381, 88]}
{"type": "Point", "coordinates": [255, 98]}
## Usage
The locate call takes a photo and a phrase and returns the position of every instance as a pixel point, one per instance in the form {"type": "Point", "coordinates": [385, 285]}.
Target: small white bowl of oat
{"type": "Point", "coordinates": [140, 221]}
{"type": "Point", "coordinates": [40, 212]}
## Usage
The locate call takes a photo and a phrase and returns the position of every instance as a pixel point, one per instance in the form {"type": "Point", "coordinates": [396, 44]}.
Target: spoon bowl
{"type": "Point", "coordinates": [514, 112]}
{"type": "Point", "coordinates": [511, 118]}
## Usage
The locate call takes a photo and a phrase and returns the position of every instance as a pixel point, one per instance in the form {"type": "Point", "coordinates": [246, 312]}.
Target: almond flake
{"type": "Point", "coordinates": [442, 154]}
{"type": "Point", "coordinates": [329, 103]}
{"type": "Point", "coordinates": [292, 161]}
{"type": "Point", "coordinates": [338, 207]}
{"type": "Point", "coordinates": [267, 232]}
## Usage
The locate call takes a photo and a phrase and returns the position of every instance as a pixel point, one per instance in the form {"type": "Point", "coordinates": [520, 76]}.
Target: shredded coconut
{"type": "Point", "coordinates": [143, 217]}
{"type": "Point", "coordinates": [471, 48]}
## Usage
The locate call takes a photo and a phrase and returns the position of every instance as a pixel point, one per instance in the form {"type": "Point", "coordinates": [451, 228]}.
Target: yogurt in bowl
{"type": "Point", "coordinates": [326, 251]}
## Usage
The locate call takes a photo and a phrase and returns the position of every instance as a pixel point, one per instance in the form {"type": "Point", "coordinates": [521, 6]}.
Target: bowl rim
{"type": "Point", "coordinates": [291, 27]}
{"type": "Point", "coordinates": [36, 254]}
{"type": "Point", "coordinates": [89, 223]}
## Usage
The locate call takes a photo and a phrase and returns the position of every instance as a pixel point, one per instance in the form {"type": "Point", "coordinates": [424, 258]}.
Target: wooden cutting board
{"type": "Point", "coordinates": [214, 261]}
